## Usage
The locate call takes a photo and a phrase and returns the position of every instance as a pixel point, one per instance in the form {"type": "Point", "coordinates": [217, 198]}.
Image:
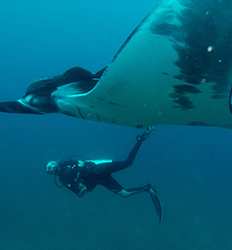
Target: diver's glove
{"type": "Point", "coordinates": [145, 134]}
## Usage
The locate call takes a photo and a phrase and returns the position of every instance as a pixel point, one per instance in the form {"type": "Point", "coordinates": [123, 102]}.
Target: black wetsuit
{"type": "Point", "coordinates": [91, 174]}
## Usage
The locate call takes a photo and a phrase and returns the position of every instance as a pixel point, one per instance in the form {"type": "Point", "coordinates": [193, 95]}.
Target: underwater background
{"type": "Point", "coordinates": [191, 167]}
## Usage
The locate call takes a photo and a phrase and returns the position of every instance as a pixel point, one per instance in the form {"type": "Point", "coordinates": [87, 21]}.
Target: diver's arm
{"type": "Point", "coordinates": [78, 188]}
{"type": "Point", "coordinates": [114, 166]}
{"type": "Point", "coordinates": [133, 153]}
{"type": "Point", "coordinates": [139, 141]}
{"type": "Point", "coordinates": [82, 190]}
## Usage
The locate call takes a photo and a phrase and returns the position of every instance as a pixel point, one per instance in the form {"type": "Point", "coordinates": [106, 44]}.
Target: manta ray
{"type": "Point", "coordinates": [174, 68]}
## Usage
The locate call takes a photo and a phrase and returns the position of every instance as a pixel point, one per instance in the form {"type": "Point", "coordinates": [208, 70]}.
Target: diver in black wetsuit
{"type": "Point", "coordinates": [83, 176]}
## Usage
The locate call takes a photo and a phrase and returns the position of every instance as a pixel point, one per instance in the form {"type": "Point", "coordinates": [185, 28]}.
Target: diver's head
{"type": "Point", "coordinates": [52, 167]}
{"type": "Point", "coordinates": [55, 167]}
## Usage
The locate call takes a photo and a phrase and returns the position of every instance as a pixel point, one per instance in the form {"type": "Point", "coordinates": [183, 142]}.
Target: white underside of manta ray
{"type": "Point", "coordinates": [175, 68]}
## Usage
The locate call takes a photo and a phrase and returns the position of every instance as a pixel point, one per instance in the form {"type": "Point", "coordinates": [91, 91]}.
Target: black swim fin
{"type": "Point", "coordinates": [17, 107]}
{"type": "Point", "coordinates": [157, 203]}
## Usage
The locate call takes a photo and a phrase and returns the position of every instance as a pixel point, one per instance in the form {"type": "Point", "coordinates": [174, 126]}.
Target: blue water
{"type": "Point", "coordinates": [191, 167]}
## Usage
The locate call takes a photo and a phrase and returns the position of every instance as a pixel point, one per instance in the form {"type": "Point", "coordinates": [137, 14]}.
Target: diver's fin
{"type": "Point", "coordinates": [157, 203]}
{"type": "Point", "coordinates": [17, 107]}
{"type": "Point", "coordinates": [100, 73]}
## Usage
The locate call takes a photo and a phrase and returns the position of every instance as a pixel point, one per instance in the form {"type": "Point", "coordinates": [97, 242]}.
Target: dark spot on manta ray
{"type": "Point", "coordinates": [180, 97]}
{"type": "Point", "coordinates": [166, 26]}
{"type": "Point", "coordinates": [165, 73]}
{"type": "Point", "coordinates": [164, 29]}
{"type": "Point", "coordinates": [183, 103]}
{"type": "Point", "coordinates": [201, 25]}
{"type": "Point", "coordinates": [205, 25]}
{"type": "Point", "coordinates": [218, 96]}
{"type": "Point", "coordinates": [186, 88]}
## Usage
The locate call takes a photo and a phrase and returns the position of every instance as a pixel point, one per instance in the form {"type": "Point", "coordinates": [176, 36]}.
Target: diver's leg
{"type": "Point", "coordinates": [150, 190]}
{"type": "Point", "coordinates": [134, 151]}
{"type": "Point", "coordinates": [111, 167]}
{"type": "Point", "coordinates": [127, 192]}
{"type": "Point", "coordinates": [17, 107]}
{"type": "Point", "coordinates": [111, 184]}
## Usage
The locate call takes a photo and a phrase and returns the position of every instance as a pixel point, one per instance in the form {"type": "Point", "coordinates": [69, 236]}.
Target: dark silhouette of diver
{"type": "Point", "coordinates": [83, 176]}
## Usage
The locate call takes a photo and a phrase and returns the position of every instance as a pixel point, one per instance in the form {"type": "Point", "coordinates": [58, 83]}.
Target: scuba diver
{"type": "Point", "coordinates": [82, 177]}
{"type": "Point", "coordinates": [46, 96]}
